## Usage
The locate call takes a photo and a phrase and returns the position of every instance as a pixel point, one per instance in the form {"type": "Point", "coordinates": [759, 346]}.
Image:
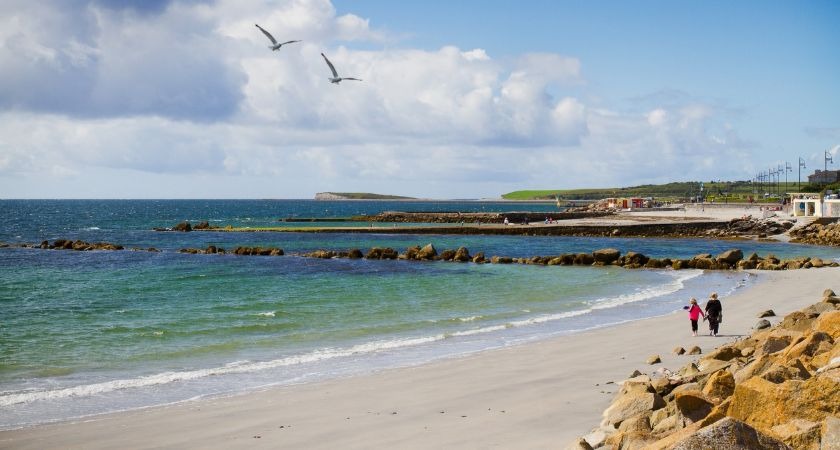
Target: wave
{"type": "Point", "coordinates": [227, 369]}
{"type": "Point", "coordinates": [266, 314]}
{"type": "Point", "coordinates": [91, 228]}
{"type": "Point", "coordinates": [675, 285]}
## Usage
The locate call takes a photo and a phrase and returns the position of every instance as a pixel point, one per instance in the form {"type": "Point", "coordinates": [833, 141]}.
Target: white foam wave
{"type": "Point", "coordinates": [650, 292]}
{"type": "Point", "coordinates": [92, 228]}
{"type": "Point", "coordinates": [469, 319]}
{"type": "Point", "coordinates": [230, 368]}
{"type": "Point", "coordinates": [266, 314]}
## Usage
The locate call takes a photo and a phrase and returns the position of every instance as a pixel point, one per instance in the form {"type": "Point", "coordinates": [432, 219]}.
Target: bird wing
{"type": "Point", "coordinates": [267, 34]}
{"type": "Point", "coordinates": [355, 79]}
{"type": "Point", "coordinates": [335, 74]}
{"type": "Point", "coordinates": [288, 42]}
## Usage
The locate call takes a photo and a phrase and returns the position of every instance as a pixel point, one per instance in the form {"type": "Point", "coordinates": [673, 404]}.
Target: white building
{"type": "Point", "coordinates": [815, 205]}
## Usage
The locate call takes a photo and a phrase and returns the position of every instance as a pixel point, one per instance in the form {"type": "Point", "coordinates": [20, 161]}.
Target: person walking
{"type": "Point", "coordinates": [714, 313]}
{"type": "Point", "coordinates": [694, 313]}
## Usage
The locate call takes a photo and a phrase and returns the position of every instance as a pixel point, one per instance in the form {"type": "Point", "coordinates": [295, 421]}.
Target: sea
{"type": "Point", "coordinates": [86, 333]}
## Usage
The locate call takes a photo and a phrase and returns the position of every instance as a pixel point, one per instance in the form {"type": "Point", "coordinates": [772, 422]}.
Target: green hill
{"type": "Point", "coordinates": [722, 190]}
{"type": "Point", "coordinates": [357, 196]}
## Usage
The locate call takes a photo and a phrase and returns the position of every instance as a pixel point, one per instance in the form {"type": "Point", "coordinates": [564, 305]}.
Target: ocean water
{"type": "Point", "coordinates": [84, 333]}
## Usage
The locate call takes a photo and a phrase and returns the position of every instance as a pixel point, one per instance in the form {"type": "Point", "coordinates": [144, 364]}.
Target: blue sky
{"type": "Point", "coordinates": [468, 99]}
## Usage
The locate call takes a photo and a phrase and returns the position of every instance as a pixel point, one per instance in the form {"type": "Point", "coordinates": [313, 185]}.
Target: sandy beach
{"type": "Point", "coordinates": [539, 395]}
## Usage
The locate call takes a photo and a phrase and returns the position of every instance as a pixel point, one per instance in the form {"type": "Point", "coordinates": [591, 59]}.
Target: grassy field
{"type": "Point", "coordinates": [719, 191]}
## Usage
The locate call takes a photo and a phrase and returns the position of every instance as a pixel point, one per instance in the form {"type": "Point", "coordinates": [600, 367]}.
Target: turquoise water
{"type": "Point", "coordinates": [89, 332]}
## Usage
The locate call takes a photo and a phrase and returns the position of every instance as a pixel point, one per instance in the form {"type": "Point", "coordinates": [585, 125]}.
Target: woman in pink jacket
{"type": "Point", "coordinates": [694, 313]}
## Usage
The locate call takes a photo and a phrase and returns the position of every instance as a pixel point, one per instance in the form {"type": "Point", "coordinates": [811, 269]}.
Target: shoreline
{"type": "Point", "coordinates": [535, 395]}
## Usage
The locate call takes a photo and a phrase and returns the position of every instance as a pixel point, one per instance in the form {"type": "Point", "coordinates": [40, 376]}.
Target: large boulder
{"type": "Point", "coordinates": [630, 404]}
{"type": "Point", "coordinates": [461, 255]}
{"type": "Point", "coordinates": [720, 385]}
{"type": "Point", "coordinates": [183, 226]}
{"type": "Point", "coordinates": [428, 252]}
{"type": "Point", "coordinates": [731, 257]}
{"type": "Point", "coordinates": [693, 405]}
{"type": "Point", "coordinates": [606, 255]}
{"type": "Point", "coordinates": [829, 323]}
{"type": "Point", "coordinates": [729, 434]}
{"type": "Point", "coordinates": [584, 259]}
{"type": "Point", "coordinates": [764, 404]}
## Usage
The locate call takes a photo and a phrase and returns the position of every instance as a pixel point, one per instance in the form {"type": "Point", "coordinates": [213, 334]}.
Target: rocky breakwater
{"type": "Point", "coordinates": [728, 260]}
{"type": "Point", "coordinates": [473, 217]}
{"type": "Point", "coordinates": [187, 227]}
{"type": "Point", "coordinates": [818, 233]}
{"type": "Point", "coordinates": [777, 389]}
{"type": "Point", "coordinates": [242, 251]}
{"type": "Point", "coordinates": [69, 244]}
{"type": "Point", "coordinates": [750, 227]}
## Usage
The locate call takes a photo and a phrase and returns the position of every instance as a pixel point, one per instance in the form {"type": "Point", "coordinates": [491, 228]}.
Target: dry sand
{"type": "Point", "coordinates": [539, 395]}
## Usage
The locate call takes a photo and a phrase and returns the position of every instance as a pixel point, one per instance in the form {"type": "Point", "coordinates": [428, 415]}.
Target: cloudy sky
{"type": "Point", "coordinates": [467, 99]}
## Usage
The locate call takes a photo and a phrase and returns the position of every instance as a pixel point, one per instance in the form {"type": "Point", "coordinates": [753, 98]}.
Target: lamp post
{"type": "Point", "coordinates": [828, 160]}
{"type": "Point", "coordinates": [801, 166]}
{"type": "Point", "coordinates": [788, 168]}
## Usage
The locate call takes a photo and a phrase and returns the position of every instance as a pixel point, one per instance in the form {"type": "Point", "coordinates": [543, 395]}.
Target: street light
{"type": "Point", "coordinates": [828, 160]}
{"type": "Point", "coordinates": [801, 166]}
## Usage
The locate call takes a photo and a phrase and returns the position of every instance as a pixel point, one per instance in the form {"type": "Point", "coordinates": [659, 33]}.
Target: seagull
{"type": "Point", "coordinates": [274, 45]}
{"type": "Point", "coordinates": [335, 78]}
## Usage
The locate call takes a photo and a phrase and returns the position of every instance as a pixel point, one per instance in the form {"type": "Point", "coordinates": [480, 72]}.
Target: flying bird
{"type": "Point", "coordinates": [335, 78]}
{"type": "Point", "coordinates": [274, 44]}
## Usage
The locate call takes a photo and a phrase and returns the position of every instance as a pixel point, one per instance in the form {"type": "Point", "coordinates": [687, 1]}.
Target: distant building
{"type": "Point", "coordinates": [824, 177]}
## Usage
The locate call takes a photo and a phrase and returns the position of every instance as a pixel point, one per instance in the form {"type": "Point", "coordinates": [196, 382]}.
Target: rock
{"type": "Point", "coordinates": [720, 385]}
{"type": "Point", "coordinates": [202, 226]}
{"type": "Point", "coordinates": [501, 260]}
{"type": "Point", "coordinates": [695, 350]}
{"type": "Point", "coordinates": [729, 434]}
{"type": "Point", "coordinates": [767, 313]}
{"type": "Point", "coordinates": [693, 405]}
{"type": "Point", "coordinates": [829, 323]}
{"type": "Point", "coordinates": [745, 264]}
{"type": "Point", "coordinates": [183, 226]}
{"type": "Point", "coordinates": [606, 255]}
{"type": "Point", "coordinates": [725, 353]}
{"type": "Point", "coordinates": [635, 258]}
{"type": "Point", "coordinates": [461, 255]}
{"type": "Point", "coordinates": [678, 351]}
{"type": "Point", "coordinates": [579, 444]}
{"type": "Point", "coordinates": [830, 433]}
{"type": "Point", "coordinates": [631, 404]}
{"type": "Point", "coordinates": [763, 404]}
{"type": "Point", "coordinates": [800, 434]}
{"type": "Point", "coordinates": [762, 324]}
{"type": "Point", "coordinates": [584, 259]}
{"type": "Point", "coordinates": [478, 258]}
{"type": "Point", "coordinates": [447, 255]}
{"type": "Point", "coordinates": [635, 374]}
{"type": "Point", "coordinates": [411, 252]}
{"type": "Point", "coordinates": [654, 359]}
{"type": "Point", "coordinates": [828, 293]}
{"type": "Point", "coordinates": [211, 249]}
{"type": "Point", "coordinates": [355, 254]}
{"type": "Point", "coordinates": [798, 321]}
{"type": "Point", "coordinates": [775, 344]}
{"type": "Point", "coordinates": [731, 257]}
{"type": "Point", "coordinates": [812, 345]}
{"type": "Point", "coordinates": [427, 253]}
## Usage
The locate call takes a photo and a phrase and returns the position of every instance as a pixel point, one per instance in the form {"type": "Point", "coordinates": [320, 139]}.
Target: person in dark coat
{"type": "Point", "coordinates": [714, 313]}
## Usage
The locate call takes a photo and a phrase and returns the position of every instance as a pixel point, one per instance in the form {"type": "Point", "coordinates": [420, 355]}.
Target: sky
{"type": "Point", "coordinates": [467, 99]}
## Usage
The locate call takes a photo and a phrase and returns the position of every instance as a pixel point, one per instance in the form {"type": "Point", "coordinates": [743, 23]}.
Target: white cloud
{"type": "Point", "coordinates": [190, 92]}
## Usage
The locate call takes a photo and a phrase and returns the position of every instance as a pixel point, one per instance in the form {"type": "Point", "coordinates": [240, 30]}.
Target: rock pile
{"type": "Point", "coordinates": [751, 227]}
{"type": "Point", "coordinates": [777, 389]}
{"type": "Point", "coordinates": [817, 233]}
